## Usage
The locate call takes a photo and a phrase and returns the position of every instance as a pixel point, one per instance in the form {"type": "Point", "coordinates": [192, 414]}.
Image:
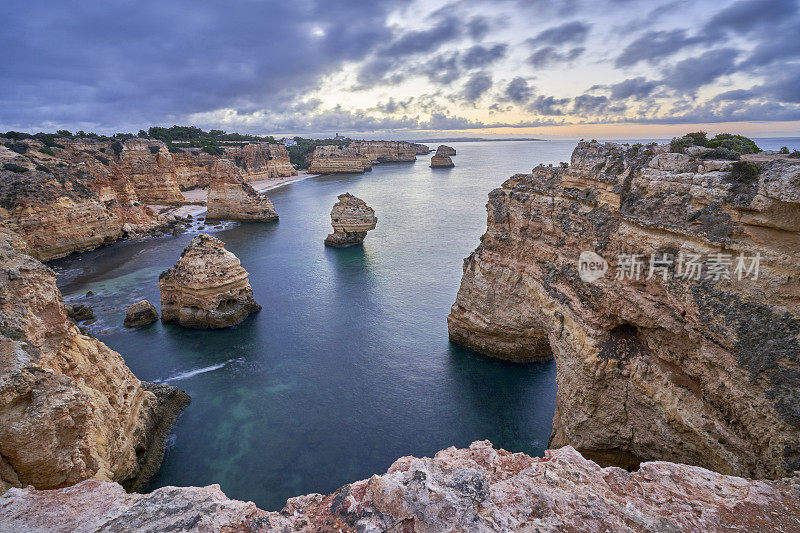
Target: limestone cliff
{"type": "Point", "coordinates": [474, 489]}
{"type": "Point", "coordinates": [441, 161]}
{"type": "Point", "coordinates": [258, 161]}
{"type": "Point", "coordinates": [69, 407]}
{"type": "Point", "coordinates": [664, 364]}
{"type": "Point", "coordinates": [385, 151]}
{"type": "Point", "coordinates": [230, 198]}
{"type": "Point", "coordinates": [338, 160]}
{"type": "Point", "coordinates": [445, 150]}
{"type": "Point", "coordinates": [207, 287]}
{"type": "Point", "coordinates": [421, 149]}
{"type": "Point", "coordinates": [351, 219]}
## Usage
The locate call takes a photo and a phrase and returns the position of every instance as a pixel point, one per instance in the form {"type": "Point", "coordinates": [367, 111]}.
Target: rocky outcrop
{"type": "Point", "coordinates": [671, 366]}
{"type": "Point", "coordinates": [385, 151]}
{"type": "Point", "coordinates": [474, 489]}
{"type": "Point", "coordinates": [230, 198]}
{"type": "Point", "coordinates": [421, 149]}
{"type": "Point", "coordinates": [70, 409]}
{"type": "Point", "coordinates": [445, 150]}
{"type": "Point", "coordinates": [258, 161]}
{"type": "Point", "coordinates": [140, 313]}
{"type": "Point", "coordinates": [338, 160]}
{"type": "Point", "coordinates": [441, 161]}
{"type": "Point", "coordinates": [351, 219]}
{"type": "Point", "coordinates": [207, 287]}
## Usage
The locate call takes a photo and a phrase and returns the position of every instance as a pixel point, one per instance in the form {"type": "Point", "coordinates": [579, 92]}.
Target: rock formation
{"type": "Point", "coordinates": [474, 489]}
{"type": "Point", "coordinates": [699, 371]}
{"type": "Point", "coordinates": [258, 161]}
{"type": "Point", "coordinates": [421, 149]}
{"type": "Point", "coordinates": [230, 198]}
{"type": "Point", "coordinates": [207, 288]}
{"type": "Point", "coordinates": [140, 313]}
{"type": "Point", "coordinates": [351, 219]}
{"type": "Point", "coordinates": [338, 160]}
{"type": "Point", "coordinates": [385, 151]}
{"type": "Point", "coordinates": [445, 150]}
{"type": "Point", "coordinates": [441, 161]}
{"type": "Point", "coordinates": [69, 407]}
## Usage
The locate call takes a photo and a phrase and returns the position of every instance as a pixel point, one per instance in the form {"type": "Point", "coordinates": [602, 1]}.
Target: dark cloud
{"type": "Point", "coordinates": [588, 105]}
{"type": "Point", "coordinates": [476, 86]}
{"type": "Point", "coordinates": [547, 105]}
{"type": "Point", "coordinates": [568, 33]}
{"type": "Point", "coordinates": [550, 55]}
{"type": "Point", "coordinates": [748, 16]}
{"type": "Point", "coordinates": [480, 56]}
{"type": "Point", "coordinates": [694, 72]}
{"type": "Point", "coordinates": [478, 27]}
{"type": "Point", "coordinates": [518, 91]}
{"type": "Point", "coordinates": [654, 46]}
{"type": "Point", "coordinates": [633, 88]}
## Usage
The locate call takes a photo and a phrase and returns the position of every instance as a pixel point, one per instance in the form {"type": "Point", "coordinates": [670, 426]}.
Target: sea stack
{"type": "Point", "coordinates": [230, 198]}
{"type": "Point", "coordinates": [207, 288]}
{"type": "Point", "coordinates": [445, 150]}
{"type": "Point", "coordinates": [140, 313]}
{"type": "Point", "coordinates": [351, 219]}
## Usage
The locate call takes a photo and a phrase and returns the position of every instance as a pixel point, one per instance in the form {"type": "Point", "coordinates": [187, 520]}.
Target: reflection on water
{"type": "Point", "coordinates": [347, 367]}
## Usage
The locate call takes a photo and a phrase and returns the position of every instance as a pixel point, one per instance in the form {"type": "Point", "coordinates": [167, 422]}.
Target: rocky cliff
{"type": "Point", "coordinates": [230, 198]}
{"type": "Point", "coordinates": [258, 161]}
{"type": "Point", "coordinates": [338, 160]}
{"type": "Point", "coordinates": [351, 219]}
{"type": "Point", "coordinates": [69, 407]}
{"type": "Point", "coordinates": [385, 151]}
{"type": "Point", "coordinates": [445, 150]}
{"type": "Point", "coordinates": [441, 161]}
{"type": "Point", "coordinates": [473, 489]}
{"type": "Point", "coordinates": [682, 351]}
{"type": "Point", "coordinates": [207, 287]}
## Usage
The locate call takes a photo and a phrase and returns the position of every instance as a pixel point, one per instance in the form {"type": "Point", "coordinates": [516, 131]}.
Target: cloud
{"type": "Point", "coordinates": [694, 72]}
{"type": "Point", "coordinates": [568, 33]}
{"type": "Point", "coordinates": [633, 88]}
{"type": "Point", "coordinates": [654, 46]}
{"type": "Point", "coordinates": [480, 56]}
{"type": "Point", "coordinates": [547, 105]}
{"type": "Point", "coordinates": [549, 55]}
{"type": "Point", "coordinates": [748, 16]}
{"type": "Point", "coordinates": [518, 91]}
{"type": "Point", "coordinates": [476, 86]}
{"type": "Point", "coordinates": [587, 104]}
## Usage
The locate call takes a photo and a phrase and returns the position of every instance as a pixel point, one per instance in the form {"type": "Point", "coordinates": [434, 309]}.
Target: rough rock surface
{"type": "Point", "coordinates": [422, 149]}
{"type": "Point", "coordinates": [338, 160]}
{"type": "Point", "coordinates": [230, 198]}
{"type": "Point", "coordinates": [207, 287]}
{"type": "Point", "coordinates": [441, 161]}
{"type": "Point", "coordinates": [351, 219]}
{"type": "Point", "coordinates": [445, 150]}
{"type": "Point", "coordinates": [258, 161]}
{"type": "Point", "coordinates": [705, 372]}
{"type": "Point", "coordinates": [69, 407]}
{"type": "Point", "coordinates": [140, 313]}
{"type": "Point", "coordinates": [385, 151]}
{"type": "Point", "coordinates": [474, 489]}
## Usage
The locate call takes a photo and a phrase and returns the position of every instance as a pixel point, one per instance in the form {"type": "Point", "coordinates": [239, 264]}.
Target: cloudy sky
{"type": "Point", "coordinates": [403, 68]}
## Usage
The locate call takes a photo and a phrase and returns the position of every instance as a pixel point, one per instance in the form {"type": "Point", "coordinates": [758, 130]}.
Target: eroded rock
{"type": "Point", "coordinates": [140, 313]}
{"type": "Point", "coordinates": [207, 287]}
{"type": "Point", "coordinates": [445, 150]}
{"type": "Point", "coordinates": [230, 198]}
{"type": "Point", "coordinates": [441, 161]}
{"type": "Point", "coordinates": [351, 219]}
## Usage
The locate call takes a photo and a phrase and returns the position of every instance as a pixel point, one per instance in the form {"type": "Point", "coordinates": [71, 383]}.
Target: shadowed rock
{"type": "Point", "coordinates": [351, 219]}
{"type": "Point", "coordinates": [140, 313]}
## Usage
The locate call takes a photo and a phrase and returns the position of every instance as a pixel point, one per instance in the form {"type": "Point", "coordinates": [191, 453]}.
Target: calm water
{"type": "Point", "coordinates": [348, 366]}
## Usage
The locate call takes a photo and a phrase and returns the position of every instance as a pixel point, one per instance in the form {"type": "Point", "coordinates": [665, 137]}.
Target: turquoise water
{"type": "Point", "coordinates": [348, 365]}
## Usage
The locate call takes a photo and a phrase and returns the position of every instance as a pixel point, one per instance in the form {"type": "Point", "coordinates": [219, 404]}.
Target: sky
{"type": "Point", "coordinates": [403, 68]}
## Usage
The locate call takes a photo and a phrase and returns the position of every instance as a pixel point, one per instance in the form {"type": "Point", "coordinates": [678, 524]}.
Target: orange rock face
{"type": "Point", "coordinates": [351, 219]}
{"type": "Point", "coordinates": [230, 198]}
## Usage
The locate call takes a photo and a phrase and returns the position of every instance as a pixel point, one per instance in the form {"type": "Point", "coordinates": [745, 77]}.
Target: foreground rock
{"type": "Point", "coordinates": [445, 150]}
{"type": "Point", "coordinates": [441, 161]}
{"type": "Point", "coordinates": [140, 313]}
{"type": "Point", "coordinates": [474, 489]}
{"type": "Point", "coordinates": [351, 219]}
{"type": "Point", "coordinates": [701, 371]}
{"type": "Point", "coordinates": [230, 198]}
{"type": "Point", "coordinates": [69, 407]}
{"type": "Point", "coordinates": [207, 287]}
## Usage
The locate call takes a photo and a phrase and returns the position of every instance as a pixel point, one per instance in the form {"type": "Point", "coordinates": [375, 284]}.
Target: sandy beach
{"type": "Point", "coordinates": [200, 195]}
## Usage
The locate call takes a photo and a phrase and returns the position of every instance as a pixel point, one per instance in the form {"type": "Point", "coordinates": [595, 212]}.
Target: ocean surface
{"type": "Point", "coordinates": [348, 366]}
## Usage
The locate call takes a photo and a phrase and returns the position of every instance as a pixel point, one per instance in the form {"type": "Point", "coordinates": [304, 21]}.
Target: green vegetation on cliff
{"type": "Point", "coordinates": [724, 145]}
{"type": "Point", "coordinates": [298, 154]}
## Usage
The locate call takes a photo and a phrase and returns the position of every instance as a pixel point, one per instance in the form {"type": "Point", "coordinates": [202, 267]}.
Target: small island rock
{"type": "Point", "coordinates": [445, 150]}
{"type": "Point", "coordinates": [207, 288]}
{"type": "Point", "coordinates": [441, 161]}
{"type": "Point", "coordinates": [140, 313]}
{"type": "Point", "coordinates": [351, 219]}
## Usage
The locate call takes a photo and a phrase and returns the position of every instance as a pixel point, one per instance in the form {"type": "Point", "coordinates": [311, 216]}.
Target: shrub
{"type": "Point", "coordinates": [116, 146]}
{"type": "Point", "coordinates": [795, 154]}
{"type": "Point", "coordinates": [14, 168]}
{"type": "Point", "coordinates": [102, 159]}
{"type": "Point", "coordinates": [720, 153]}
{"type": "Point", "coordinates": [16, 135]}
{"type": "Point", "coordinates": [174, 149]}
{"type": "Point", "coordinates": [47, 151]}
{"type": "Point", "coordinates": [64, 133]}
{"type": "Point", "coordinates": [699, 138]}
{"type": "Point", "coordinates": [745, 171]}
{"type": "Point", "coordinates": [678, 145]}
{"type": "Point", "coordinates": [18, 147]}
{"type": "Point", "coordinates": [42, 168]}
{"type": "Point", "coordinates": [213, 150]}
{"type": "Point", "coordinates": [154, 149]}
{"type": "Point", "coordinates": [784, 150]}
{"type": "Point", "coordinates": [737, 143]}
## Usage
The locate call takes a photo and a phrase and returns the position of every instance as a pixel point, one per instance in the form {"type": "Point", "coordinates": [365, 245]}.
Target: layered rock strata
{"type": "Point", "coordinates": [70, 409]}
{"type": "Point", "coordinates": [207, 287]}
{"type": "Point", "coordinates": [445, 150]}
{"type": "Point", "coordinates": [338, 160]}
{"type": "Point", "coordinates": [230, 198]}
{"type": "Point", "coordinates": [385, 151]}
{"type": "Point", "coordinates": [140, 313]}
{"type": "Point", "coordinates": [441, 161]}
{"type": "Point", "coordinates": [351, 219]}
{"type": "Point", "coordinates": [421, 149]}
{"type": "Point", "coordinates": [474, 489]}
{"type": "Point", "coordinates": [258, 161]}
{"type": "Point", "coordinates": [685, 362]}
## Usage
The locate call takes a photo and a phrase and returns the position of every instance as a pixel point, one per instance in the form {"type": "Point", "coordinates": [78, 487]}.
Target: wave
{"type": "Point", "coordinates": [191, 373]}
